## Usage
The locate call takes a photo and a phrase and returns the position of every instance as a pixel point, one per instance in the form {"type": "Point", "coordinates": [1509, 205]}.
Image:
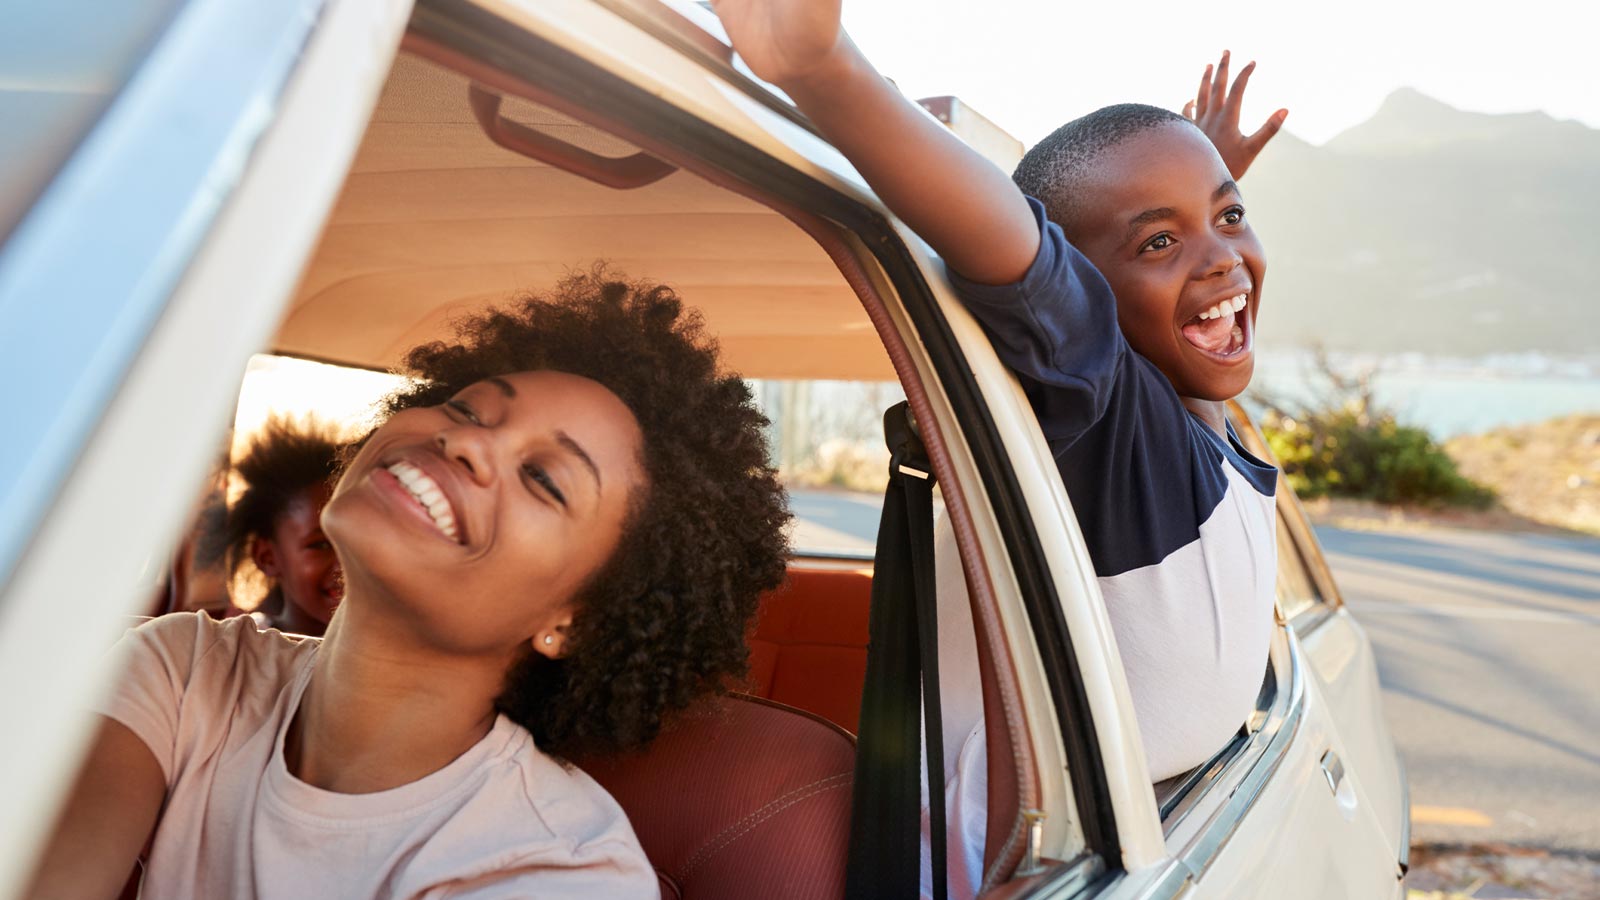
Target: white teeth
{"type": "Point", "coordinates": [1233, 304]}
{"type": "Point", "coordinates": [427, 493]}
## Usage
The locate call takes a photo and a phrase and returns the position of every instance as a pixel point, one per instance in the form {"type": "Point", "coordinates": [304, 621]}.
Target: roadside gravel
{"type": "Point", "coordinates": [1500, 872]}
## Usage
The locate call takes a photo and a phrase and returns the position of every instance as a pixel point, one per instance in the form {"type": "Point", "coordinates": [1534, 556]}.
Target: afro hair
{"type": "Point", "coordinates": [664, 621]}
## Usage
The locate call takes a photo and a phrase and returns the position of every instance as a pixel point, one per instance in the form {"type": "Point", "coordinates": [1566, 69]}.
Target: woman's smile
{"type": "Point", "coordinates": [421, 497]}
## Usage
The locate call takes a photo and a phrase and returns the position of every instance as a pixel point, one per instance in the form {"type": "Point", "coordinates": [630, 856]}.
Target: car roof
{"type": "Point", "coordinates": [436, 220]}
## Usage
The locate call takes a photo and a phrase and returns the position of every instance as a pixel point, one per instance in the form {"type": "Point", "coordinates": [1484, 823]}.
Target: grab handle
{"type": "Point", "coordinates": [622, 173]}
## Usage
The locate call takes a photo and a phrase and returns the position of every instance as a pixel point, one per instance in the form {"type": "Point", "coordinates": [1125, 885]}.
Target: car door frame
{"type": "Point", "coordinates": [241, 121]}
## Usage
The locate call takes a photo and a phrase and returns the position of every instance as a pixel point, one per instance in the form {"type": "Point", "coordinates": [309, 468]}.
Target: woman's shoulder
{"type": "Point", "coordinates": [564, 797]}
{"type": "Point", "coordinates": [555, 826]}
{"type": "Point", "coordinates": [197, 650]}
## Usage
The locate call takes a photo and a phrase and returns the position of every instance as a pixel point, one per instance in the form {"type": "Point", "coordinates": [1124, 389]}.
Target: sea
{"type": "Point", "coordinates": [1447, 396]}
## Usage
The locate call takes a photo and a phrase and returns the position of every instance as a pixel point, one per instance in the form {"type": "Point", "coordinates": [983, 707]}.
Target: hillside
{"type": "Point", "coordinates": [1549, 472]}
{"type": "Point", "coordinates": [1431, 229]}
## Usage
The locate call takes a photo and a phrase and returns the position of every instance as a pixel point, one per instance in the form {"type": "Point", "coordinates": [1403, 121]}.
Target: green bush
{"type": "Point", "coordinates": [1350, 451]}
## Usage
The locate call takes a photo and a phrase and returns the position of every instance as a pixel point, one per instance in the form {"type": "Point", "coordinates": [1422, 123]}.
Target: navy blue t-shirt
{"type": "Point", "coordinates": [1179, 520]}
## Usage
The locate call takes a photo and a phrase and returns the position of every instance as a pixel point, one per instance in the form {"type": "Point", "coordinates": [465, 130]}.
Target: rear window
{"type": "Point", "coordinates": [826, 438]}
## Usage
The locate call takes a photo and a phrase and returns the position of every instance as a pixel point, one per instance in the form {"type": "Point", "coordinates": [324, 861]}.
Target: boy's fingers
{"type": "Point", "coordinates": [1236, 96]}
{"type": "Point", "coordinates": [1219, 84]}
{"type": "Point", "coordinates": [1266, 132]}
{"type": "Point", "coordinates": [1203, 94]}
{"type": "Point", "coordinates": [1188, 110]}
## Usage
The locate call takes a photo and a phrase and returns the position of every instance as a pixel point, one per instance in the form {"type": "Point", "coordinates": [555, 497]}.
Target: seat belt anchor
{"type": "Point", "coordinates": [909, 456]}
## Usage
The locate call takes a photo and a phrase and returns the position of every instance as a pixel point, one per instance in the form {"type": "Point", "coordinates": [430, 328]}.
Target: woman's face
{"type": "Point", "coordinates": [478, 520]}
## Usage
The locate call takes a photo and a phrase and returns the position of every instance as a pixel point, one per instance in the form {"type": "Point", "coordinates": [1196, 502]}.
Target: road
{"type": "Point", "coordinates": [1488, 648]}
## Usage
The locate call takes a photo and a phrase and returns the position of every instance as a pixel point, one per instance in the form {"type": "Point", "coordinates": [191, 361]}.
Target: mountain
{"type": "Point", "coordinates": [1411, 122]}
{"type": "Point", "coordinates": [1431, 229]}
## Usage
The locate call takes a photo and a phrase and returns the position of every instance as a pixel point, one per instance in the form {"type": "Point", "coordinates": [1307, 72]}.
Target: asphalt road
{"type": "Point", "coordinates": [1488, 648]}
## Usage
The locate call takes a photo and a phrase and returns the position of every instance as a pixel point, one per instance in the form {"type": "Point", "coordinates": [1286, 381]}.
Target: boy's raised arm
{"type": "Point", "coordinates": [968, 210]}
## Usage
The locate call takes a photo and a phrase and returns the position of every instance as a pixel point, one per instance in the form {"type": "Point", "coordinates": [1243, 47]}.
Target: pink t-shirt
{"type": "Point", "coordinates": [212, 701]}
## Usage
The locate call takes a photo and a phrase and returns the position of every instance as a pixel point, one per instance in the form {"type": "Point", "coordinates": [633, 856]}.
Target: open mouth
{"type": "Point", "coordinates": [428, 495]}
{"type": "Point", "coordinates": [1222, 331]}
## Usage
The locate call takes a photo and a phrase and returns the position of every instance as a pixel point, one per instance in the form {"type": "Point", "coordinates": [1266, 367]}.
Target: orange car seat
{"type": "Point", "coordinates": [809, 648]}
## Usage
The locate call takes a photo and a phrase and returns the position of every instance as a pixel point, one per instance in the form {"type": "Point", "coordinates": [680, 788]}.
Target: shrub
{"type": "Point", "coordinates": [1348, 446]}
{"type": "Point", "coordinates": [1342, 453]}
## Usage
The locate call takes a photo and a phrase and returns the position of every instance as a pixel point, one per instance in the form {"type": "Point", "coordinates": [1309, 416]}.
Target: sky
{"type": "Point", "coordinates": [1030, 65]}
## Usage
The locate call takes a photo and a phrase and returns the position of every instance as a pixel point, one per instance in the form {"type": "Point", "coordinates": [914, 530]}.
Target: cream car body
{"type": "Point", "coordinates": [1308, 803]}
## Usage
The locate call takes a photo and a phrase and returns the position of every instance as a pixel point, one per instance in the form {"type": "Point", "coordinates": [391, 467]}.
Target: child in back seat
{"type": "Point", "coordinates": [1123, 293]}
{"type": "Point", "coordinates": [276, 524]}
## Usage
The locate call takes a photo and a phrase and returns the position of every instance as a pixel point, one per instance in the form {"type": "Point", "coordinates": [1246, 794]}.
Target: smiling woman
{"type": "Point", "coordinates": [640, 431]}
{"type": "Point", "coordinates": [563, 524]}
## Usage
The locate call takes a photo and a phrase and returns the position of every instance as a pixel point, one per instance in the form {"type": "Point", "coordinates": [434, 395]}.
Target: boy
{"type": "Point", "coordinates": [1128, 340]}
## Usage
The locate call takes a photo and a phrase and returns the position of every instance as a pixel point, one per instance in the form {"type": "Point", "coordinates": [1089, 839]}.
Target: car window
{"type": "Point", "coordinates": [342, 396]}
{"type": "Point", "coordinates": [826, 439]}
{"type": "Point", "coordinates": [1297, 592]}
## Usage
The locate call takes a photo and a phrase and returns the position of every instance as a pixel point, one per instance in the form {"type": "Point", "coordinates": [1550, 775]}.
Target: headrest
{"type": "Point", "coordinates": [747, 798]}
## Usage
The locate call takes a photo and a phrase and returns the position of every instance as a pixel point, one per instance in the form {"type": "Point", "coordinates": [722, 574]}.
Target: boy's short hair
{"type": "Point", "coordinates": [1055, 168]}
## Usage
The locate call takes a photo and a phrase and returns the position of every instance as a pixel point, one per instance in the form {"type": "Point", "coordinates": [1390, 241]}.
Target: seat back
{"type": "Point", "coordinates": [809, 648]}
{"type": "Point", "coordinates": [748, 799]}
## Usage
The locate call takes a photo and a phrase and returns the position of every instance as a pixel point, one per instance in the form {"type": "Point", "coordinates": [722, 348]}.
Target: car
{"type": "Point", "coordinates": [334, 180]}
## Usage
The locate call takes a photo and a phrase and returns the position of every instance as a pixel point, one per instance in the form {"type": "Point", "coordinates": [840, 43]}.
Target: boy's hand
{"type": "Point", "coordinates": [1216, 110]}
{"type": "Point", "coordinates": [782, 41]}
{"type": "Point", "coordinates": [968, 210]}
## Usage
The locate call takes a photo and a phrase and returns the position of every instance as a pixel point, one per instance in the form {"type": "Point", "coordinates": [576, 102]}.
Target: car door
{"type": "Point", "coordinates": [180, 157]}
{"type": "Point", "coordinates": [1341, 660]}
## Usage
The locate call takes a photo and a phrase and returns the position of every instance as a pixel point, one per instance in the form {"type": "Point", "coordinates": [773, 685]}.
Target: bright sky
{"type": "Point", "coordinates": [1031, 65]}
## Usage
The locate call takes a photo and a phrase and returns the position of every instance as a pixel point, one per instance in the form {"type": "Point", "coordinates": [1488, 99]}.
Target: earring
{"type": "Point", "coordinates": [549, 639]}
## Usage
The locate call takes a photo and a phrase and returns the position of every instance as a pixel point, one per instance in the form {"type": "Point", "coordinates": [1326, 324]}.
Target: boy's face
{"type": "Point", "coordinates": [1163, 221]}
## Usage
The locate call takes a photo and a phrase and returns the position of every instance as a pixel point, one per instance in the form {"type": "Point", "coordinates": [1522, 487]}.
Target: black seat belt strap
{"type": "Point", "coordinates": [900, 711]}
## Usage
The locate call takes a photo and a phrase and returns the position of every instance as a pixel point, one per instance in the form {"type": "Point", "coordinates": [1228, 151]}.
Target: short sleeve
{"type": "Point", "coordinates": [156, 660]}
{"type": "Point", "coordinates": [1057, 330]}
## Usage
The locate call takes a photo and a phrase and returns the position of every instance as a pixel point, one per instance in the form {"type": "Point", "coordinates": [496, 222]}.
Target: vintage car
{"type": "Point", "coordinates": [200, 180]}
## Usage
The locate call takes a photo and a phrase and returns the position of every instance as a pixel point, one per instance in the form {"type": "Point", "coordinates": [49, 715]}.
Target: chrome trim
{"type": "Point", "coordinates": [1176, 805]}
{"type": "Point", "coordinates": [1312, 617]}
{"type": "Point", "coordinates": [1333, 770]}
{"type": "Point", "coordinates": [1280, 730]}
{"type": "Point", "coordinates": [1080, 877]}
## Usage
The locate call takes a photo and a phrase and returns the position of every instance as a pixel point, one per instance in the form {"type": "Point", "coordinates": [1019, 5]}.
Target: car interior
{"type": "Point", "coordinates": [469, 188]}
{"type": "Point", "coordinates": [463, 194]}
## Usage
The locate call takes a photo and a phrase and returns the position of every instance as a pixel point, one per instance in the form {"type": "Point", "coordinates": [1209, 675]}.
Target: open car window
{"type": "Point", "coordinates": [826, 438]}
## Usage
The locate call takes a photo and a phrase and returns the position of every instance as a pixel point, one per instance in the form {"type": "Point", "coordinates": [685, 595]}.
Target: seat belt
{"type": "Point", "coordinates": [900, 693]}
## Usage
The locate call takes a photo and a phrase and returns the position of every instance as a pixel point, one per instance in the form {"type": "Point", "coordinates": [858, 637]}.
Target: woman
{"type": "Point", "coordinates": [276, 524]}
{"type": "Point", "coordinates": [555, 540]}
